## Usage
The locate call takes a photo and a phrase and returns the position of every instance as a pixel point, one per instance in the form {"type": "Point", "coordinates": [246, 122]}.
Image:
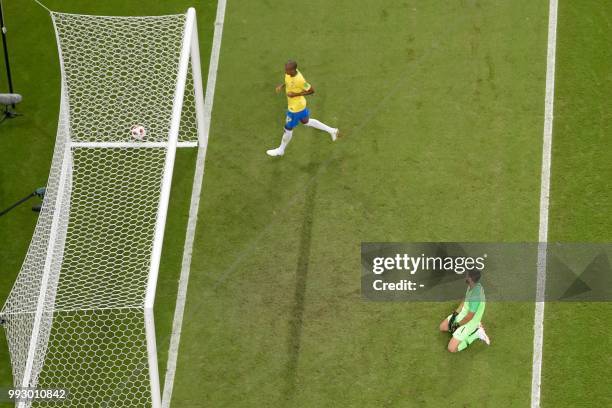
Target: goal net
{"type": "Point", "coordinates": [80, 314]}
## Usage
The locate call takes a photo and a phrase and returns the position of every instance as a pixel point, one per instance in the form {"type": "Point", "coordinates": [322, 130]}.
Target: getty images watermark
{"type": "Point", "coordinates": [436, 271]}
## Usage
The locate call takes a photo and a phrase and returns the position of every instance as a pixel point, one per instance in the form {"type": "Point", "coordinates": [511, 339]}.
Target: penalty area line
{"type": "Point", "coordinates": [193, 209]}
{"type": "Point", "coordinates": [538, 324]}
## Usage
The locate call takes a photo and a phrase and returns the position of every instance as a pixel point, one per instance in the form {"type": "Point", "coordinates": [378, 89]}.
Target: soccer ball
{"type": "Point", "coordinates": [138, 132]}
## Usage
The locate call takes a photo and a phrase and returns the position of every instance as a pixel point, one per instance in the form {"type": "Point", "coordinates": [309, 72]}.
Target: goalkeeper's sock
{"type": "Point", "coordinates": [469, 340]}
{"type": "Point", "coordinates": [321, 126]}
{"type": "Point", "coordinates": [472, 337]}
{"type": "Point", "coordinates": [285, 140]}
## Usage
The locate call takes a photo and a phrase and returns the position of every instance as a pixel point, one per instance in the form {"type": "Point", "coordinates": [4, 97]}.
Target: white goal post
{"type": "Point", "coordinates": [80, 314]}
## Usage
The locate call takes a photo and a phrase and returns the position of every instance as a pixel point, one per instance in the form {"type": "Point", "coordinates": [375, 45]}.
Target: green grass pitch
{"type": "Point", "coordinates": [441, 105]}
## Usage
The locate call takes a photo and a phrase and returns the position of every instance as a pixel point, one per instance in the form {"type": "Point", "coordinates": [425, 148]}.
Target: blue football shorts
{"type": "Point", "coordinates": [293, 118]}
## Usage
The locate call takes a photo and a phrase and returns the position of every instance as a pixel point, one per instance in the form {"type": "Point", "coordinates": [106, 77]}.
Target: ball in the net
{"type": "Point", "coordinates": [138, 132]}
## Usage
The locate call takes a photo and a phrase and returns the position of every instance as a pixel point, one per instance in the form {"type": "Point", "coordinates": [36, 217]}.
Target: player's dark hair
{"type": "Point", "coordinates": [474, 274]}
{"type": "Point", "coordinates": [292, 63]}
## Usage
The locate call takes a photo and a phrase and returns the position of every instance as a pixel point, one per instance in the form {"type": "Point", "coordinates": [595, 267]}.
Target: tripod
{"type": "Point", "coordinates": [39, 192]}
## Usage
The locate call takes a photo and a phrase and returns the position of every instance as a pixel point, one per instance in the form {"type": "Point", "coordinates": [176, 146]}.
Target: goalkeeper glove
{"type": "Point", "coordinates": [453, 324]}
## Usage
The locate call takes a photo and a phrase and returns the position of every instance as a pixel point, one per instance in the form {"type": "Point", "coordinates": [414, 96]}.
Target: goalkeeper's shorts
{"type": "Point", "coordinates": [466, 330]}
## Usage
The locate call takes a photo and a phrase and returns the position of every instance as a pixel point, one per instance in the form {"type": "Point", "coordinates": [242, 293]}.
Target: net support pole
{"type": "Point", "coordinates": [27, 373]}
{"type": "Point", "coordinates": [163, 206]}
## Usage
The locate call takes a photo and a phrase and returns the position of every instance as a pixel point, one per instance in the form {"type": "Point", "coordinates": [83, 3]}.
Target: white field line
{"type": "Point", "coordinates": [193, 209]}
{"type": "Point", "coordinates": [538, 325]}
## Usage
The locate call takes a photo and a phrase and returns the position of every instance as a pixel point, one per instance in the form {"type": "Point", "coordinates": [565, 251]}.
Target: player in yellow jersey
{"type": "Point", "coordinates": [296, 88]}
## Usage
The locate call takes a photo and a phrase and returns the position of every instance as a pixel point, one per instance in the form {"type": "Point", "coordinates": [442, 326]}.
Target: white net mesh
{"type": "Point", "coordinates": [122, 71]}
{"type": "Point", "coordinates": [75, 316]}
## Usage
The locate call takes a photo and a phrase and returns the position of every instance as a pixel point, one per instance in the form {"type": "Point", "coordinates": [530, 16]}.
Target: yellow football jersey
{"type": "Point", "coordinates": [296, 84]}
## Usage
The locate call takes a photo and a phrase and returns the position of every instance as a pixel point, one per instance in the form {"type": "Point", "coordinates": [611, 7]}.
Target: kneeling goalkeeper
{"type": "Point", "coordinates": [464, 324]}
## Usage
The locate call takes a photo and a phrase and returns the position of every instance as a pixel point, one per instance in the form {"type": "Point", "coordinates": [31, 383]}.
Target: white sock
{"type": "Point", "coordinates": [319, 125]}
{"type": "Point", "coordinates": [286, 139]}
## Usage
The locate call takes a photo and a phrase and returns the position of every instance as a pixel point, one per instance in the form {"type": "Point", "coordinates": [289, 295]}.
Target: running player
{"type": "Point", "coordinates": [296, 89]}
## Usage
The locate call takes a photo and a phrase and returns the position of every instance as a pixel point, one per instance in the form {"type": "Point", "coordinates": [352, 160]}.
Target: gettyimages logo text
{"type": "Point", "coordinates": [414, 264]}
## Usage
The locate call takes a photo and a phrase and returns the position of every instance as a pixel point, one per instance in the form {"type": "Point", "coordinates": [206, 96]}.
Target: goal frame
{"type": "Point", "coordinates": [189, 58]}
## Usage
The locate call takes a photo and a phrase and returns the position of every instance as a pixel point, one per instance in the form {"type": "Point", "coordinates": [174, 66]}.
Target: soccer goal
{"type": "Point", "coordinates": [80, 314]}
